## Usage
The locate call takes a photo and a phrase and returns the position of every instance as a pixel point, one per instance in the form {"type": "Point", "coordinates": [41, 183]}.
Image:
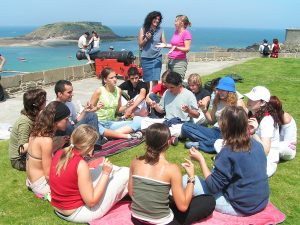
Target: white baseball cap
{"type": "Point", "coordinates": [259, 93]}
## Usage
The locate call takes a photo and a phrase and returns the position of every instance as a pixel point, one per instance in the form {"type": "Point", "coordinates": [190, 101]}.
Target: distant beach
{"type": "Point", "coordinates": [43, 55]}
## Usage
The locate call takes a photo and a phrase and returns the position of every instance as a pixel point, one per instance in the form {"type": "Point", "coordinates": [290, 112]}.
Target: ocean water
{"type": "Point", "coordinates": [30, 59]}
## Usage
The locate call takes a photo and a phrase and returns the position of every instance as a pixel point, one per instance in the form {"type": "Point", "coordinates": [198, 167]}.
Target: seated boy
{"type": "Point", "coordinates": [137, 91]}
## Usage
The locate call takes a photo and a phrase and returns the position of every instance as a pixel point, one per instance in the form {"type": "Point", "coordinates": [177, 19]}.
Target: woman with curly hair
{"type": "Point", "coordinates": [40, 147]}
{"type": "Point", "coordinates": [287, 131]}
{"type": "Point", "coordinates": [203, 138]}
{"type": "Point", "coordinates": [151, 58]}
{"type": "Point", "coordinates": [264, 125]}
{"type": "Point", "coordinates": [34, 101]}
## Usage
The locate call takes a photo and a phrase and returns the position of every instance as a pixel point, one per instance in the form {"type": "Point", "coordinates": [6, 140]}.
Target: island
{"type": "Point", "coordinates": [63, 33]}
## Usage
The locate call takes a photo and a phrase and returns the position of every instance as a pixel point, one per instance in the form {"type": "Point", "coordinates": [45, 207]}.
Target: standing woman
{"type": "Point", "coordinates": [40, 147]}
{"type": "Point", "coordinates": [34, 101]}
{"type": "Point", "coordinates": [180, 45]}
{"type": "Point", "coordinates": [151, 58]}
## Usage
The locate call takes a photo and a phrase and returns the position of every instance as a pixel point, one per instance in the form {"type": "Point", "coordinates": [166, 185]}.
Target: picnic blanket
{"type": "Point", "coordinates": [120, 214]}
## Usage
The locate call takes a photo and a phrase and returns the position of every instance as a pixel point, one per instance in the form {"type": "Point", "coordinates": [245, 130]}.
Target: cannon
{"type": "Point", "coordinates": [120, 61]}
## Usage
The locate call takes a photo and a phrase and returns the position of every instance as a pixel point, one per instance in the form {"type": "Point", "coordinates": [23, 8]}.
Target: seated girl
{"type": "Point", "coordinates": [238, 181]}
{"type": "Point", "coordinates": [203, 138]}
{"type": "Point", "coordinates": [106, 101]}
{"type": "Point", "coordinates": [40, 147]}
{"type": "Point", "coordinates": [201, 94]}
{"type": "Point", "coordinates": [264, 124]}
{"type": "Point", "coordinates": [34, 101]}
{"type": "Point", "coordinates": [288, 131]}
{"type": "Point", "coordinates": [137, 91]}
{"type": "Point", "coordinates": [151, 179]}
{"type": "Point", "coordinates": [78, 193]}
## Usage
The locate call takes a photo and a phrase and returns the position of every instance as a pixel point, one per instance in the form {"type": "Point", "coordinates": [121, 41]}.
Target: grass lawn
{"type": "Point", "coordinates": [281, 76]}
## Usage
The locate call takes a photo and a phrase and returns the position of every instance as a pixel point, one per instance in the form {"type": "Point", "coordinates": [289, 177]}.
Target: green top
{"type": "Point", "coordinates": [150, 198]}
{"type": "Point", "coordinates": [19, 135]}
{"type": "Point", "coordinates": [110, 101]}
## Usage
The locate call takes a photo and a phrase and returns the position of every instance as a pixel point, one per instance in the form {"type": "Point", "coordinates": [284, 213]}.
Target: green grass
{"type": "Point", "coordinates": [281, 76]}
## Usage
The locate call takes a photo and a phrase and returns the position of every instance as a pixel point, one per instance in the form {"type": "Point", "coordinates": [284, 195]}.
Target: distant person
{"type": "Point", "coordinates": [275, 48]}
{"type": "Point", "coordinates": [152, 177]}
{"type": "Point", "coordinates": [137, 91]}
{"type": "Point", "coordinates": [151, 58]}
{"type": "Point", "coordinates": [34, 101]}
{"type": "Point", "coordinates": [238, 179]}
{"type": "Point", "coordinates": [111, 48]}
{"type": "Point", "coordinates": [264, 48]}
{"type": "Point", "coordinates": [180, 45]}
{"type": "Point", "coordinates": [79, 194]}
{"type": "Point", "coordinates": [287, 131]}
{"type": "Point", "coordinates": [83, 45]}
{"type": "Point", "coordinates": [94, 43]}
{"type": "Point", "coordinates": [2, 59]}
{"type": "Point", "coordinates": [41, 146]}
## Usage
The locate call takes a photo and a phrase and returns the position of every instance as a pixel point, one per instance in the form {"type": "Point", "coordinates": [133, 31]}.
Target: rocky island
{"type": "Point", "coordinates": [64, 33]}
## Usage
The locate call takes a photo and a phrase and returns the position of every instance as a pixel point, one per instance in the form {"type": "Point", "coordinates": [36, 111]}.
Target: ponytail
{"type": "Point", "coordinates": [64, 159]}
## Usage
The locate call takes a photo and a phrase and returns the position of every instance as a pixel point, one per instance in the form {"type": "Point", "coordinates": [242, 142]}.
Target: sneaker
{"type": "Point", "coordinates": [136, 135]}
{"type": "Point", "coordinates": [174, 140]}
{"type": "Point", "coordinates": [104, 140]}
{"type": "Point", "coordinates": [191, 144]}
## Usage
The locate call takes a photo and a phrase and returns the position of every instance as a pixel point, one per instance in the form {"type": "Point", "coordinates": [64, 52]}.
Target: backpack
{"type": "Point", "coordinates": [266, 50]}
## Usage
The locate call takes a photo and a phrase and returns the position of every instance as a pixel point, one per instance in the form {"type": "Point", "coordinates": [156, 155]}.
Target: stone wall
{"type": "Point", "coordinates": [292, 36]}
{"type": "Point", "coordinates": [23, 82]}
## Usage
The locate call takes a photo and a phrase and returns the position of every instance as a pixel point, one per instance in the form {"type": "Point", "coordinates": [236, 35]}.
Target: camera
{"type": "Point", "coordinates": [151, 31]}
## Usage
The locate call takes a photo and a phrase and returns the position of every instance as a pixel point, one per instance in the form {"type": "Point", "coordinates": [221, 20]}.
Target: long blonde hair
{"type": "Point", "coordinates": [82, 139]}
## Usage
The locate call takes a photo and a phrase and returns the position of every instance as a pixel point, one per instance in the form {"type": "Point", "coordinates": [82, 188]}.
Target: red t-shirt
{"type": "Point", "coordinates": [64, 187]}
{"type": "Point", "coordinates": [159, 88]}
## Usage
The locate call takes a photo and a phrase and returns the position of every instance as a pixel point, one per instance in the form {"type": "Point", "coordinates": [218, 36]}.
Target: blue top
{"type": "Point", "coordinates": [242, 178]}
{"type": "Point", "coordinates": [149, 49]}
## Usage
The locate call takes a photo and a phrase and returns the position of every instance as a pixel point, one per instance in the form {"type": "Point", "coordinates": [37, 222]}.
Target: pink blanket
{"type": "Point", "coordinates": [120, 214]}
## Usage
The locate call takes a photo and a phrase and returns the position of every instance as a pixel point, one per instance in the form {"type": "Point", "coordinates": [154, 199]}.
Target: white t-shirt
{"type": "Point", "coordinates": [288, 132]}
{"type": "Point", "coordinates": [82, 41]}
{"type": "Point", "coordinates": [266, 129]}
{"type": "Point", "coordinates": [73, 114]}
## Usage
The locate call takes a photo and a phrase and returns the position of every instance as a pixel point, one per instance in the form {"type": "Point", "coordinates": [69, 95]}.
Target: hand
{"type": "Point", "coordinates": [88, 107]}
{"type": "Point", "coordinates": [196, 155]}
{"type": "Point", "coordinates": [172, 49]}
{"type": "Point", "coordinates": [148, 35]}
{"type": "Point", "coordinates": [253, 125]}
{"type": "Point", "coordinates": [128, 113]}
{"type": "Point", "coordinates": [107, 166]}
{"type": "Point", "coordinates": [100, 105]}
{"type": "Point", "coordinates": [189, 167]}
{"type": "Point", "coordinates": [202, 105]}
{"type": "Point", "coordinates": [185, 108]}
{"type": "Point", "coordinates": [153, 104]}
{"type": "Point", "coordinates": [130, 103]}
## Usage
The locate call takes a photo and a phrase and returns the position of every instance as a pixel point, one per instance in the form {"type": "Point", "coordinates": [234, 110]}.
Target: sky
{"type": "Point", "coordinates": [266, 14]}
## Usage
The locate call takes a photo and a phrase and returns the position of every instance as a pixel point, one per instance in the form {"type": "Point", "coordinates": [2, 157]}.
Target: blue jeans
{"type": "Point", "coordinates": [134, 124]}
{"type": "Point", "coordinates": [204, 135]}
{"type": "Point", "coordinates": [222, 205]}
{"type": "Point", "coordinates": [91, 119]}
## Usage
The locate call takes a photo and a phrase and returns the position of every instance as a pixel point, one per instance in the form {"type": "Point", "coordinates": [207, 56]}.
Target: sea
{"type": "Point", "coordinates": [32, 59]}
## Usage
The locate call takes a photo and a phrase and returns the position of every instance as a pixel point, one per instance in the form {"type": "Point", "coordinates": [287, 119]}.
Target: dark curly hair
{"type": "Point", "coordinates": [33, 101]}
{"type": "Point", "coordinates": [149, 18]}
{"type": "Point", "coordinates": [266, 110]}
{"type": "Point", "coordinates": [44, 124]}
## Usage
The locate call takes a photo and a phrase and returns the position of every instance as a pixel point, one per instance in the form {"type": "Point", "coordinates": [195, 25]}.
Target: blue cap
{"type": "Point", "coordinates": [226, 84]}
